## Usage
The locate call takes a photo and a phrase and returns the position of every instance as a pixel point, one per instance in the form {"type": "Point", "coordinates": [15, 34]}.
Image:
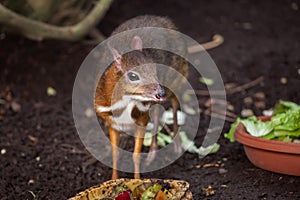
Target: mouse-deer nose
{"type": "Point", "coordinates": [161, 93]}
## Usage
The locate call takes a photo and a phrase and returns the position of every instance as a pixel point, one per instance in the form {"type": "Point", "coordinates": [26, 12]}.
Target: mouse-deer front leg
{"type": "Point", "coordinates": [114, 139]}
{"type": "Point", "coordinates": [138, 142]}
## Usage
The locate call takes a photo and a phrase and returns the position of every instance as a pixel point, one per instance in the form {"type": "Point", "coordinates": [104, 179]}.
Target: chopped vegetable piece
{"type": "Point", "coordinates": [126, 195]}
{"type": "Point", "coordinates": [161, 196]}
{"type": "Point", "coordinates": [151, 192]}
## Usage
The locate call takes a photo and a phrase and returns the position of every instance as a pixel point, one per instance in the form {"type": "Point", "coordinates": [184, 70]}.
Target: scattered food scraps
{"type": "Point", "coordinates": [211, 165]}
{"type": "Point", "coordinates": [51, 91]}
{"type": "Point", "coordinates": [209, 191]}
{"type": "Point", "coordinates": [206, 81]}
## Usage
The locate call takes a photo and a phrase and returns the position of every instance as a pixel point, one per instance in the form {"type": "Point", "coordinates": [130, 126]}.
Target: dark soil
{"type": "Point", "coordinates": [44, 155]}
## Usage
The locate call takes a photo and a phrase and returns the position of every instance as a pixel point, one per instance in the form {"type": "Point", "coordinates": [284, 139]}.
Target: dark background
{"type": "Point", "coordinates": [43, 152]}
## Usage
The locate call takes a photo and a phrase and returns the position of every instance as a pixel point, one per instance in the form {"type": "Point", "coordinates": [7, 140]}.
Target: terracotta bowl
{"type": "Point", "coordinates": [275, 156]}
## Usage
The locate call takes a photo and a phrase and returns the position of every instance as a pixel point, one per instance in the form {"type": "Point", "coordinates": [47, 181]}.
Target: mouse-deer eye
{"type": "Point", "coordinates": [133, 76]}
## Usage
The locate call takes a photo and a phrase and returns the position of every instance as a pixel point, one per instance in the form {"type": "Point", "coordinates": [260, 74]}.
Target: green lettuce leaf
{"type": "Point", "coordinates": [284, 126]}
{"type": "Point", "coordinates": [257, 128]}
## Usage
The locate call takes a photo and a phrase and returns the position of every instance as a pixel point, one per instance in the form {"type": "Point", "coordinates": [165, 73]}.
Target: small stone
{"type": "Point", "coordinates": [283, 80]}
{"type": "Point", "coordinates": [224, 159]}
{"type": "Point", "coordinates": [8, 96]}
{"type": "Point", "coordinates": [31, 181]}
{"type": "Point", "coordinates": [16, 107]}
{"type": "Point", "coordinates": [247, 113]}
{"type": "Point", "coordinates": [247, 26]}
{"type": "Point", "coordinates": [89, 112]}
{"type": "Point", "coordinates": [3, 151]}
{"type": "Point", "coordinates": [260, 95]}
{"type": "Point", "coordinates": [260, 104]}
{"type": "Point", "coordinates": [230, 107]}
{"type": "Point", "coordinates": [39, 126]}
{"type": "Point", "coordinates": [208, 103]}
{"type": "Point", "coordinates": [294, 6]}
{"type": "Point", "coordinates": [230, 85]}
{"type": "Point", "coordinates": [296, 141]}
{"type": "Point", "coordinates": [248, 100]}
{"type": "Point", "coordinates": [188, 110]}
{"type": "Point", "coordinates": [198, 166]}
{"type": "Point", "coordinates": [38, 158]}
{"type": "Point", "coordinates": [223, 171]}
{"type": "Point", "coordinates": [268, 112]}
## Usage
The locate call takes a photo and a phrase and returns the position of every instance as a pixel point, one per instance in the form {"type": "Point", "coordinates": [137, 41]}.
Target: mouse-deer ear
{"type": "Point", "coordinates": [117, 57]}
{"type": "Point", "coordinates": [136, 43]}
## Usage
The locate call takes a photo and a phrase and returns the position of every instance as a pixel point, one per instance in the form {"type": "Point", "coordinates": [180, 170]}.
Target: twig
{"type": "Point", "coordinates": [166, 128]}
{"type": "Point", "coordinates": [217, 40]}
{"type": "Point", "coordinates": [246, 86]}
{"type": "Point", "coordinates": [37, 30]}
{"type": "Point", "coordinates": [216, 115]}
{"type": "Point", "coordinates": [229, 91]}
{"type": "Point", "coordinates": [224, 112]}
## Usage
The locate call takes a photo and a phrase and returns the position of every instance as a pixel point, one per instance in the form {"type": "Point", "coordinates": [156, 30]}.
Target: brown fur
{"type": "Point", "coordinates": [113, 81]}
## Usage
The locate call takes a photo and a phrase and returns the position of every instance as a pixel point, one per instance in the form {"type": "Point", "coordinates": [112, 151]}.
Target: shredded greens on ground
{"type": "Point", "coordinates": [283, 126]}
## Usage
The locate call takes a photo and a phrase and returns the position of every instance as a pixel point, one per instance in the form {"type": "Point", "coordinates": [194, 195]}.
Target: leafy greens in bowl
{"type": "Point", "coordinates": [283, 126]}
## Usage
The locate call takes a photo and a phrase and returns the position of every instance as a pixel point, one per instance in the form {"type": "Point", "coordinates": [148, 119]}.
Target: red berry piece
{"type": "Point", "coordinates": [124, 195]}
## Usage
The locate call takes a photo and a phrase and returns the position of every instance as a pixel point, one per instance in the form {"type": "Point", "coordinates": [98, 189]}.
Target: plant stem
{"type": "Point", "coordinates": [37, 30]}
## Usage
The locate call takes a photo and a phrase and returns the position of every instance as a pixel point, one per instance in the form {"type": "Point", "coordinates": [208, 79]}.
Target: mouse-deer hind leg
{"type": "Point", "coordinates": [154, 147]}
{"type": "Point", "coordinates": [177, 142]}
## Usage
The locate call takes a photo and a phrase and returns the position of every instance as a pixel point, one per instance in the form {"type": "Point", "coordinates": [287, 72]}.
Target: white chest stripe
{"type": "Point", "coordinates": [125, 117]}
{"type": "Point", "coordinates": [126, 99]}
{"type": "Point", "coordinates": [142, 107]}
{"type": "Point", "coordinates": [118, 105]}
{"type": "Point", "coordinates": [125, 121]}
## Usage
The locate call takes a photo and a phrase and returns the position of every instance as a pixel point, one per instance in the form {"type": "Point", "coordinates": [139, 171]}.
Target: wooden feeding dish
{"type": "Point", "coordinates": [174, 189]}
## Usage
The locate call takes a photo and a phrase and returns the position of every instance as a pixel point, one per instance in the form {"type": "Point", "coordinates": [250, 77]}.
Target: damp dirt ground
{"type": "Point", "coordinates": [41, 153]}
